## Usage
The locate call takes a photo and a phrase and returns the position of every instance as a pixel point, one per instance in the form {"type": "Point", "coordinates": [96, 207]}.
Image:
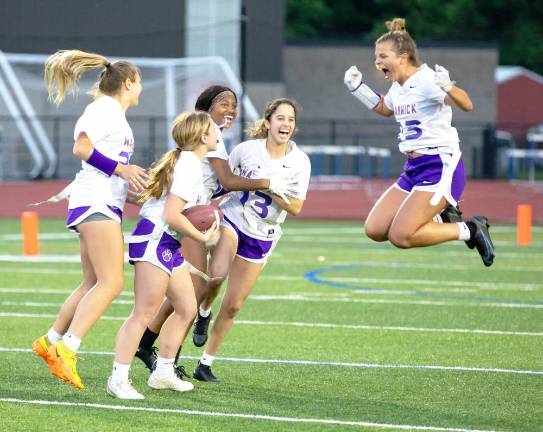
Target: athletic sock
{"type": "Point", "coordinates": [53, 337]}
{"type": "Point", "coordinates": [71, 341]}
{"type": "Point", "coordinates": [204, 313]}
{"type": "Point", "coordinates": [164, 365]}
{"type": "Point", "coordinates": [464, 231]}
{"type": "Point", "coordinates": [120, 372]}
{"type": "Point", "coordinates": [207, 359]}
{"type": "Point", "coordinates": [472, 229]}
{"type": "Point", "coordinates": [148, 339]}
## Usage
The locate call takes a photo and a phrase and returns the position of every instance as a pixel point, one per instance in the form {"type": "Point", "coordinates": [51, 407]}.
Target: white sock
{"type": "Point", "coordinates": [71, 341]}
{"type": "Point", "coordinates": [463, 231]}
{"type": "Point", "coordinates": [204, 312]}
{"type": "Point", "coordinates": [53, 337]}
{"type": "Point", "coordinates": [164, 365]}
{"type": "Point", "coordinates": [120, 372]}
{"type": "Point", "coordinates": [207, 359]}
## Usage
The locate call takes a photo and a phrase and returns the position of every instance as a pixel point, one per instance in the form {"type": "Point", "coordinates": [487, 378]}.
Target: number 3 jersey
{"type": "Point", "coordinates": [255, 213]}
{"type": "Point", "coordinates": [104, 123]}
{"type": "Point", "coordinates": [424, 118]}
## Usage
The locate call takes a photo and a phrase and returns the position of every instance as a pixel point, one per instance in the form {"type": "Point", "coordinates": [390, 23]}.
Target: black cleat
{"type": "Point", "coordinates": [148, 357]}
{"type": "Point", "coordinates": [181, 372]}
{"type": "Point", "coordinates": [481, 239]}
{"type": "Point", "coordinates": [199, 333]}
{"type": "Point", "coordinates": [451, 214]}
{"type": "Point", "coordinates": [203, 373]}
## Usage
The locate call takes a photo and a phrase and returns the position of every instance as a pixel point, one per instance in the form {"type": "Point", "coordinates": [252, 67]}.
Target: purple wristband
{"type": "Point", "coordinates": [102, 162]}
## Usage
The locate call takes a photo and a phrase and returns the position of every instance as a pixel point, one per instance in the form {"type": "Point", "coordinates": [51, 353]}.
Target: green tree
{"type": "Point", "coordinates": [514, 25]}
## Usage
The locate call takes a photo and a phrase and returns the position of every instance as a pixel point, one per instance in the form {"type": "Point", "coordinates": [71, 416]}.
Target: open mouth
{"type": "Point", "coordinates": [386, 72]}
{"type": "Point", "coordinates": [227, 120]}
{"type": "Point", "coordinates": [284, 133]}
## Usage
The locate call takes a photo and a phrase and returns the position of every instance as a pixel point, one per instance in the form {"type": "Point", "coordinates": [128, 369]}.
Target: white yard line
{"type": "Point", "coordinates": [339, 297]}
{"type": "Point", "coordinates": [250, 416]}
{"type": "Point", "coordinates": [289, 323]}
{"type": "Point", "coordinates": [325, 363]}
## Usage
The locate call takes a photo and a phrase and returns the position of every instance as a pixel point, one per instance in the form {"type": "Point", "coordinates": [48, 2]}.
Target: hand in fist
{"type": "Point", "coordinates": [353, 78]}
{"type": "Point", "coordinates": [442, 79]}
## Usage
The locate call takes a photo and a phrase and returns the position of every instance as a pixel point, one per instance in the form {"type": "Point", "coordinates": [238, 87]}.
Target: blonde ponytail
{"type": "Point", "coordinates": [64, 68]}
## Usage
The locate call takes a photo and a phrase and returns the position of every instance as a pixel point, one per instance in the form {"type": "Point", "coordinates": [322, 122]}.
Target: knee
{"type": "Point", "coordinates": [214, 285]}
{"type": "Point", "coordinates": [114, 284]}
{"type": "Point", "coordinates": [374, 233]}
{"type": "Point", "coordinates": [142, 318]}
{"type": "Point", "coordinates": [230, 311]}
{"type": "Point", "coordinates": [399, 239]}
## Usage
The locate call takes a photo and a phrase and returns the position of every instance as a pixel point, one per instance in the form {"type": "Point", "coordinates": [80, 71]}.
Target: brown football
{"type": "Point", "coordinates": [202, 216]}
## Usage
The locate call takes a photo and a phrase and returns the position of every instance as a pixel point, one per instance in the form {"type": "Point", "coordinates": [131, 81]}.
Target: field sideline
{"type": "Point", "coordinates": [340, 334]}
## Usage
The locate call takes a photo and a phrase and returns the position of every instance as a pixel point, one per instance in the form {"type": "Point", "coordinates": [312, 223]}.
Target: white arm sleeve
{"type": "Point", "coordinates": [366, 95]}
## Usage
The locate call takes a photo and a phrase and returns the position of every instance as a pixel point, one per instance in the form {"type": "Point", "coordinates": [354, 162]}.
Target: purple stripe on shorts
{"type": "Point", "coordinates": [117, 211]}
{"type": "Point", "coordinates": [137, 250]}
{"type": "Point", "coordinates": [249, 247]}
{"type": "Point", "coordinates": [74, 213]}
{"type": "Point", "coordinates": [426, 171]}
{"type": "Point", "coordinates": [144, 226]}
{"type": "Point", "coordinates": [458, 181]}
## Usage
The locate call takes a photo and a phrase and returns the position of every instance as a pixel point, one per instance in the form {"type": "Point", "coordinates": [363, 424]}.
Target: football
{"type": "Point", "coordinates": [202, 216]}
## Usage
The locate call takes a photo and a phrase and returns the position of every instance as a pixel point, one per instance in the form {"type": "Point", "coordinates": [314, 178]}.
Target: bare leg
{"type": "Point", "coordinates": [67, 310]}
{"type": "Point", "coordinates": [222, 256]}
{"type": "Point", "coordinates": [242, 279]}
{"type": "Point", "coordinates": [195, 253]}
{"type": "Point", "coordinates": [413, 225]}
{"type": "Point", "coordinates": [382, 214]}
{"type": "Point", "coordinates": [104, 245]}
{"type": "Point", "coordinates": [181, 295]}
{"type": "Point", "coordinates": [149, 288]}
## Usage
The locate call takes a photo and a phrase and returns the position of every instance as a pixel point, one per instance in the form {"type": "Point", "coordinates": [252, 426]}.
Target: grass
{"type": "Point", "coordinates": [340, 334]}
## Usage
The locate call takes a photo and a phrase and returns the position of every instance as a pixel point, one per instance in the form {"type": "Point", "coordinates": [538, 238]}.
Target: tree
{"type": "Point", "coordinates": [514, 25]}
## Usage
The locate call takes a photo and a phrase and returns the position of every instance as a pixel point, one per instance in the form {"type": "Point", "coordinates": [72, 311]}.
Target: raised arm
{"type": "Point", "coordinates": [455, 95]}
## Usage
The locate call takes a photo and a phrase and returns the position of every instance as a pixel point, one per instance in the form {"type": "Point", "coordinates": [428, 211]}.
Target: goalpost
{"type": "Point", "coordinates": [36, 137]}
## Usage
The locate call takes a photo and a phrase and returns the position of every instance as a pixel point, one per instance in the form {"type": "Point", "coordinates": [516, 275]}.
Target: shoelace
{"type": "Point", "coordinates": [180, 371]}
{"type": "Point", "coordinates": [127, 386]}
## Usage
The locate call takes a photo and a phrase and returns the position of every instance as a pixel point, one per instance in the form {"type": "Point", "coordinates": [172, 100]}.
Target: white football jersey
{"type": "Point", "coordinates": [255, 213]}
{"type": "Point", "coordinates": [211, 182]}
{"type": "Point", "coordinates": [187, 184]}
{"type": "Point", "coordinates": [104, 122]}
{"type": "Point", "coordinates": [424, 118]}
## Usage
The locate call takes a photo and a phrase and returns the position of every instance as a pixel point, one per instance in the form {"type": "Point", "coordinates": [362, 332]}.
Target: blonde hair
{"type": "Point", "coordinates": [401, 40]}
{"type": "Point", "coordinates": [64, 68]}
{"type": "Point", "coordinates": [258, 129]}
{"type": "Point", "coordinates": [187, 131]}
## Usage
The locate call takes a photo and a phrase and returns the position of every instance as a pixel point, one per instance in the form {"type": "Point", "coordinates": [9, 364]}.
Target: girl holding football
{"type": "Point", "coordinates": [222, 105]}
{"type": "Point", "coordinates": [176, 183]}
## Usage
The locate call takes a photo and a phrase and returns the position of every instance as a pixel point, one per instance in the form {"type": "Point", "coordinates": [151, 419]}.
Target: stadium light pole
{"type": "Point", "coordinates": [242, 66]}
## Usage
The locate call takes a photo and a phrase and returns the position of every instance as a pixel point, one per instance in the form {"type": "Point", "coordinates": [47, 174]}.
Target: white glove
{"type": "Point", "coordinates": [443, 80]}
{"type": "Point", "coordinates": [352, 78]}
{"type": "Point", "coordinates": [280, 187]}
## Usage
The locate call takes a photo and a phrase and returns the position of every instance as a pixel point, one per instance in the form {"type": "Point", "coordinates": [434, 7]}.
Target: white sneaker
{"type": "Point", "coordinates": [122, 390]}
{"type": "Point", "coordinates": [169, 381]}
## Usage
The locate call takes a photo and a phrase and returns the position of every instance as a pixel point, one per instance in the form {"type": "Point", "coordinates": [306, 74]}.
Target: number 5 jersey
{"type": "Point", "coordinates": [424, 118]}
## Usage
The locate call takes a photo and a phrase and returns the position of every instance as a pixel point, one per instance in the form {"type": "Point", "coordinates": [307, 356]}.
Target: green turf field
{"type": "Point", "coordinates": [340, 334]}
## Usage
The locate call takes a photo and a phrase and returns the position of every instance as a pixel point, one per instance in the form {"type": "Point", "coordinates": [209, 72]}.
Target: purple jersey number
{"type": "Point", "coordinates": [260, 207]}
{"type": "Point", "coordinates": [125, 158]}
{"type": "Point", "coordinates": [410, 131]}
